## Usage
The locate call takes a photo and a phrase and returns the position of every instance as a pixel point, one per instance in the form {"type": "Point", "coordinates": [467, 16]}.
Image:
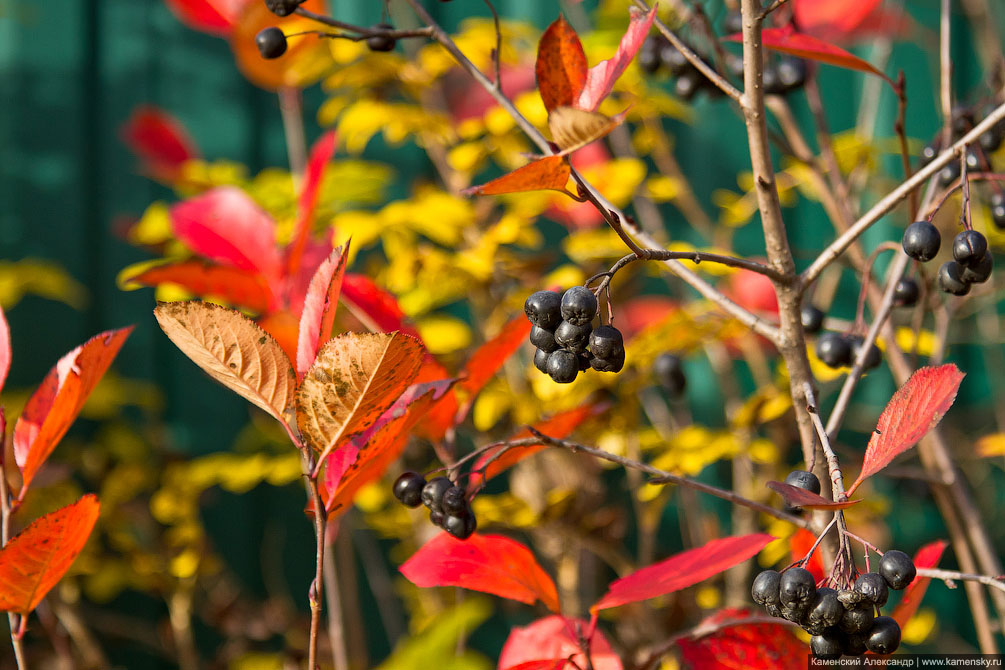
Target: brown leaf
{"type": "Point", "coordinates": [234, 350]}
{"type": "Point", "coordinates": [797, 497]}
{"type": "Point", "coordinates": [550, 173]}
{"type": "Point", "coordinates": [355, 378]}
{"type": "Point", "coordinates": [573, 128]}
{"type": "Point", "coordinates": [561, 65]}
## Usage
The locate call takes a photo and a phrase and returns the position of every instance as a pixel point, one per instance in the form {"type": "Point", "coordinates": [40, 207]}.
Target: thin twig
{"type": "Point", "coordinates": [950, 576]}
{"type": "Point", "coordinates": [496, 53]}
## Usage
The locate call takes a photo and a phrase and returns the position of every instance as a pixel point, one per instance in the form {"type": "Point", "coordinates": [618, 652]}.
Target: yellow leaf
{"type": "Point", "coordinates": [467, 157]}
{"type": "Point", "coordinates": [991, 445]}
{"type": "Point", "coordinates": [926, 341]}
{"type": "Point", "coordinates": [662, 188]}
{"type": "Point", "coordinates": [260, 660]}
{"type": "Point", "coordinates": [444, 334]}
{"type": "Point", "coordinates": [38, 277]}
{"type": "Point", "coordinates": [592, 245]}
{"type": "Point", "coordinates": [154, 227]}
{"type": "Point", "coordinates": [764, 451]}
{"type": "Point", "coordinates": [490, 406]}
{"type": "Point", "coordinates": [919, 627]}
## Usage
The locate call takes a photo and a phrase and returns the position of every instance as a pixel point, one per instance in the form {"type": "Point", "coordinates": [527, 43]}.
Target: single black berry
{"type": "Point", "coordinates": [854, 644]}
{"type": "Point", "coordinates": [572, 337]}
{"type": "Point", "coordinates": [922, 241]}
{"type": "Point", "coordinates": [432, 492]}
{"type": "Point", "coordinates": [649, 54]}
{"type": "Point", "coordinates": [858, 620]}
{"type": "Point", "coordinates": [282, 7]}
{"type": "Point", "coordinates": [791, 73]}
{"type": "Point", "coordinates": [271, 42]}
{"type": "Point", "coordinates": [454, 501]}
{"type": "Point", "coordinates": [951, 279]}
{"type": "Point", "coordinates": [544, 309]}
{"type": "Point", "coordinates": [612, 364]}
{"type": "Point", "coordinates": [764, 589]}
{"type": "Point", "coordinates": [674, 61]}
{"type": "Point", "coordinates": [688, 84]}
{"type": "Point", "coordinates": [796, 587]}
{"type": "Point", "coordinates": [812, 318]}
{"type": "Point", "coordinates": [541, 360]}
{"type": "Point", "coordinates": [462, 527]}
{"type": "Point", "coordinates": [997, 203]}
{"type": "Point", "coordinates": [873, 587]}
{"type": "Point", "coordinates": [884, 637]}
{"type": "Point", "coordinates": [827, 645]}
{"type": "Point", "coordinates": [897, 569]}
{"type": "Point", "coordinates": [408, 489]}
{"type": "Point", "coordinates": [563, 366]}
{"type": "Point", "coordinates": [579, 305]}
{"type": "Point", "coordinates": [872, 358]}
{"type": "Point", "coordinates": [606, 341]}
{"type": "Point", "coordinates": [949, 174]}
{"type": "Point", "coordinates": [804, 480]}
{"type": "Point", "coordinates": [797, 612]}
{"type": "Point", "coordinates": [826, 610]}
{"type": "Point", "coordinates": [543, 339]}
{"type": "Point", "coordinates": [669, 373]}
{"type": "Point", "coordinates": [979, 272]}
{"type": "Point", "coordinates": [906, 293]}
{"type": "Point", "coordinates": [584, 362]}
{"type": "Point", "coordinates": [930, 151]}
{"type": "Point", "coordinates": [969, 247]}
{"type": "Point", "coordinates": [381, 42]}
{"type": "Point", "coordinates": [834, 349]}
{"type": "Point", "coordinates": [437, 517]}
{"type": "Point", "coordinates": [992, 139]}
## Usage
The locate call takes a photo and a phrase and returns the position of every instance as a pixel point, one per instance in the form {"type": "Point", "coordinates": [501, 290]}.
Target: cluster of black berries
{"type": "Point", "coordinates": [669, 374]}
{"type": "Point", "coordinates": [841, 349]}
{"type": "Point", "coordinates": [272, 43]}
{"type": "Point", "coordinates": [977, 156]}
{"type": "Point", "coordinates": [973, 261]}
{"type": "Point", "coordinates": [841, 621]}
{"type": "Point", "coordinates": [447, 502]}
{"type": "Point", "coordinates": [566, 341]}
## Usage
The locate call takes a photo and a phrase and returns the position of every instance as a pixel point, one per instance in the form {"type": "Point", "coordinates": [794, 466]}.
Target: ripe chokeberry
{"type": "Point", "coordinates": [796, 587]}
{"type": "Point", "coordinates": [432, 493]}
{"type": "Point", "coordinates": [922, 241]}
{"type": "Point", "coordinates": [906, 293]}
{"type": "Point", "coordinates": [764, 589]}
{"type": "Point", "coordinates": [648, 57]}
{"type": "Point", "coordinates": [930, 151]}
{"type": "Point", "coordinates": [951, 279]}
{"type": "Point", "coordinates": [462, 527]}
{"type": "Point", "coordinates": [872, 358]}
{"type": "Point", "coordinates": [606, 341]}
{"type": "Point", "coordinates": [969, 247]}
{"type": "Point", "coordinates": [454, 501]}
{"type": "Point", "coordinates": [437, 517]}
{"type": "Point", "coordinates": [687, 85]}
{"type": "Point", "coordinates": [812, 318]}
{"type": "Point", "coordinates": [873, 587]}
{"type": "Point", "coordinates": [833, 349]}
{"type": "Point", "coordinates": [572, 337]}
{"type": "Point", "coordinates": [804, 480]}
{"type": "Point", "coordinates": [614, 363]}
{"type": "Point", "coordinates": [791, 73]}
{"type": "Point", "coordinates": [541, 360]}
{"type": "Point", "coordinates": [854, 644]}
{"type": "Point", "coordinates": [563, 366]}
{"type": "Point", "coordinates": [884, 636]}
{"type": "Point", "coordinates": [381, 42]}
{"type": "Point", "coordinates": [897, 569]}
{"type": "Point", "coordinates": [857, 620]}
{"type": "Point", "coordinates": [828, 645]}
{"type": "Point", "coordinates": [949, 174]}
{"type": "Point", "coordinates": [675, 62]}
{"type": "Point", "coordinates": [271, 42]}
{"type": "Point", "coordinates": [543, 339]}
{"type": "Point", "coordinates": [282, 7]}
{"type": "Point", "coordinates": [544, 309]}
{"type": "Point", "coordinates": [669, 373]}
{"type": "Point", "coordinates": [826, 610]}
{"type": "Point", "coordinates": [979, 272]}
{"type": "Point", "coordinates": [997, 204]}
{"type": "Point", "coordinates": [408, 488]}
{"type": "Point", "coordinates": [579, 306]}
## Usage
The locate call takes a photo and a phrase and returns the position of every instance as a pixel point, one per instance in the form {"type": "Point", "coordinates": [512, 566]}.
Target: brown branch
{"type": "Point", "coordinates": [950, 576]}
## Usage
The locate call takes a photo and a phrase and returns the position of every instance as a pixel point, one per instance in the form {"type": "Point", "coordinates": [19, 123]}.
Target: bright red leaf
{"type": "Point", "coordinates": [914, 409]}
{"type": "Point", "coordinates": [377, 309]}
{"type": "Point", "coordinates": [797, 497]}
{"type": "Point", "coordinates": [682, 570]}
{"type": "Point", "coordinates": [159, 140]}
{"type": "Point", "coordinates": [753, 291]}
{"type": "Point", "coordinates": [550, 173]}
{"type": "Point", "coordinates": [5, 354]}
{"type": "Point", "coordinates": [488, 563]}
{"type": "Point", "coordinates": [321, 154]}
{"type": "Point", "coordinates": [800, 543]}
{"type": "Point", "coordinates": [787, 40]}
{"type": "Point", "coordinates": [546, 644]}
{"type": "Point", "coordinates": [57, 401]}
{"type": "Point", "coordinates": [38, 557]}
{"type": "Point", "coordinates": [216, 17]}
{"type": "Point", "coordinates": [235, 286]}
{"type": "Point", "coordinates": [927, 557]}
{"type": "Point", "coordinates": [831, 18]}
{"type": "Point", "coordinates": [743, 646]}
{"type": "Point", "coordinates": [601, 77]}
{"type": "Point", "coordinates": [318, 315]}
{"type": "Point", "coordinates": [441, 415]}
{"type": "Point", "coordinates": [561, 65]}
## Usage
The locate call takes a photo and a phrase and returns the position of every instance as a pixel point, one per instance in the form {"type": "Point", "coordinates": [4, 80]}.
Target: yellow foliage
{"type": "Point", "coordinates": [259, 660]}
{"type": "Point", "coordinates": [661, 188]}
{"type": "Point", "coordinates": [491, 405]}
{"type": "Point", "coordinates": [708, 597]}
{"type": "Point", "coordinates": [397, 121]}
{"type": "Point", "coordinates": [919, 627]}
{"type": "Point", "coordinates": [41, 278]}
{"type": "Point", "coordinates": [436, 644]}
{"type": "Point", "coordinates": [444, 334]}
{"type": "Point", "coordinates": [991, 445]}
{"type": "Point", "coordinates": [583, 246]}
{"type": "Point", "coordinates": [925, 341]}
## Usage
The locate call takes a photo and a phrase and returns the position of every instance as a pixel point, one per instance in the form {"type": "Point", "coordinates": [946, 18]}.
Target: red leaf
{"type": "Point", "coordinates": [321, 154]}
{"type": "Point", "coordinates": [682, 570]}
{"type": "Point", "coordinates": [743, 646]}
{"type": "Point", "coordinates": [601, 77]}
{"type": "Point", "coordinates": [38, 557]}
{"type": "Point", "coordinates": [159, 140]}
{"type": "Point", "coordinates": [381, 444]}
{"type": "Point", "coordinates": [204, 279]}
{"type": "Point", "coordinates": [831, 18]}
{"type": "Point", "coordinates": [375, 307]}
{"type": "Point", "coordinates": [549, 641]}
{"type": "Point", "coordinates": [336, 465]}
{"type": "Point", "coordinates": [561, 65]}
{"type": "Point", "coordinates": [927, 557]}
{"type": "Point", "coordinates": [550, 173]}
{"type": "Point", "coordinates": [318, 315]}
{"type": "Point", "coordinates": [5, 354]}
{"type": "Point", "coordinates": [488, 563]}
{"type": "Point", "coordinates": [753, 291]}
{"type": "Point", "coordinates": [489, 358]}
{"type": "Point", "coordinates": [57, 401]}
{"type": "Point", "coordinates": [800, 543]}
{"type": "Point", "coordinates": [216, 17]}
{"type": "Point", "coordinates": [787, 40]}
{"type": "Point", "coordinates": [441, 415]}
{"type": "Point", "coordinates": [558, 426]}
{"type": "Point", "coordinates": [914, 409]}
{"type": "Point", "coordinates": [227, 226]}
{"type": "Point", "coordinates": [797, 497]}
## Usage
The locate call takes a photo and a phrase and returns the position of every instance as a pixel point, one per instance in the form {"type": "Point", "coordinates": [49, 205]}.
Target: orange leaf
{"type": "Point", "coordinates": [743, 646]}
{"type": "Point", "coordinates": [318, 315]}
{"type": "Point", "coordinates": [797, 497]}
{"type": "Point", "coordinates": [441, 415]}
{"type": "Point", "coordinates": [383, 443]}
{"type": "Point", "coordinates": [561, 65]}
{"type": "Point", "coordinates": [927, 557]}
{"type": "Point", "coordinates": [682, 570]}
{"type": "Point", "coordinates": [39, 556]}
{"type": "Point", "coordinates": [787, 40]}
{"type": "Point", "coordinates": [914, 409]}
{"type": "Point", "coordinates": [488, 563]}
{"type": "Point", "coordinates": [233, 285]}
{"type": "Point", "coordinates": [549, 173]}
{"type": "Point", "coordinates": [489, 358]}
{"type": "Point", "coordinates": [57, 401]}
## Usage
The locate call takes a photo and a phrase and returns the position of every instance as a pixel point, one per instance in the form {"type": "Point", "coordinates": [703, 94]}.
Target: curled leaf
{"type": "Point", "coordinates": [552, 643]}
{"type": "Point", "coordinates": [572, 128]}
{"type": "Point", "coordinates": [318, 315]}
{"type": "Point", "coordinates": [797, 497]}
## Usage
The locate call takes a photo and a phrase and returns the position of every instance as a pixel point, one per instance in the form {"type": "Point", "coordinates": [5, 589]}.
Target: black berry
{"type": "Point", "coordinates": [833, 349]}
{"type": "Point", "coordinates": [271, 42]}
{"type": "Point", "coordinates": [796, 587]}
{"type": "Point", "coordinates": [827, 645]}
{"type": "Point", "coordinates": [282, 7]}
{"type": "Point", "coordinates": [612, 364]}
{"type": "Point", "coordinates": [408, 489]}
{"type": "Point", "coordinates": [906, 293]}
{"type": "Point", "coordinates": [432, 493]}
{"type": "Point", "coordinates": [381, 42]}
{"type": "Point", "coordinates": [541, 360]}
{"type": "Point", "coordinates": [687, 85]}
{"type": "Point", "coordinates": [572, 337]}
{"type": "Point", "coordinates": [648, 57]}
{"type": "Point", "coordinates": [873, 587]}
{"type": "Point", "coordinates": [997, 203]}
{"type": "Point", "coordinates": [544, 309]}
{"type": "Point", "coordinates": [884, 637]}
{"type": "Point", "coordinates": [897, 569]}
{"type": "Point", "coordinates": [764, 589]}
{"type": "Point", "coordinates": [579, 305]}
{"type": "Point", "coordinates": [812, 318]}
{"type": "Point", "coordinates": [872, 358]}
{"type": "Point", "coordinates": [804, 480]}
{"type": "Point", "coordinates": [929, 153]}
{"type": "Point", "coordinates": [949, 174]}
{"type": "Point", "coordinates": [969, 247]}
{"type": "Point", "coordinates": [563, 366]}
{"type": "Point", "coordinates": [791, 73]}
{"type": "Point", "coordinates": [584, 362]}
{"type": "Point", "coordinates": [606, 341]}
{"type": "Point", "coordinates": [454, 501]}
{"type": "Point", "coordinates": [796, 613]}
{"type": "Point", "coordinates": [858, 620]}
{"type": "Point", "coordinates": [826, 610]}
{"type": "Point", "coordinates": [462, 527]}
{"type": "Point", "coordinates": [979, 272]}
{"type": "Point", "coordinates": [669, 373]}
{"type": "Point", "coordinates": [992, 139]}
{"type": "Point", "coordinates": [437, 517]}
{"type": "Point", "coordinates": [922, 241]}
{"type": "Point", "coordinates": [854, 644]}
{"type": "Point", "coordinates": [674, 61]}
{"type": "Point", "coordinates": [543, 339]}
{"type": "Point", "coordinates": [951, 279]}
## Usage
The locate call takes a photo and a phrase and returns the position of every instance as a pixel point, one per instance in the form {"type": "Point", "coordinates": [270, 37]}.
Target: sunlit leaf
{"type": "Point", "coordinates": [550, 173]}
{"type": "Point", "coordinates": [787, 40]}
{"type": "Point", "coordinates": [235, 286]}
{"type": "Point", "coordinates": [561, 65]}
{"type": "Point", "coordinates": [159, 140]}
{"type": "Point", "coordinates": [321, 154]}
{"type": "Point", "coordinates": [601, 77]}
{"type": "Point", "coordinates": [318, 315]}
{"type": "Point", "coordinates": [556, 637]}
{"type": "Point", "coordinates": [743, 646]}
{"type": "Point", "coordinates": [572, 128]}
{"type": "Point", "coordinates": [211, 16]}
